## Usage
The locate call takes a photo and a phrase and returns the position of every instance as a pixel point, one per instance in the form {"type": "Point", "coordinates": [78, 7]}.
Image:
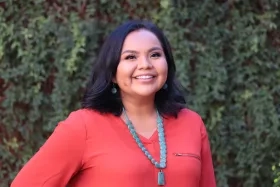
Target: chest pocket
{"type": "Point", "coordinates": [185, 164]}
{"type": "Point", "coordinates": [191, 155]}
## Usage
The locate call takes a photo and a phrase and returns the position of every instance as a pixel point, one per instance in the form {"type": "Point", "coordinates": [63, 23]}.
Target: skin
{"type": "Point", "coordinates": [141, 54]}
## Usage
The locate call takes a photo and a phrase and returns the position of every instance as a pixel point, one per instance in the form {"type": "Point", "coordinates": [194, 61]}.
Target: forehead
{"type": "Point", "coordinates": [141, 40]}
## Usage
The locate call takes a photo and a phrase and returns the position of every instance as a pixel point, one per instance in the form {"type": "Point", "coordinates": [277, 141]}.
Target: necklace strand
{"type": "Point", "coordinates": [162, 163]}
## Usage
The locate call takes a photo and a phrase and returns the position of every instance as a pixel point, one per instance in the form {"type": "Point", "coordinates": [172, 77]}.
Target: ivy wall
{"type": "Point", "coordinates": [227, 54]}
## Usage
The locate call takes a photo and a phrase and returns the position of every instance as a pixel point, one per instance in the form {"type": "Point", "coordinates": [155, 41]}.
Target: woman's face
{"type": "Point", "coordinates": [142, 70]}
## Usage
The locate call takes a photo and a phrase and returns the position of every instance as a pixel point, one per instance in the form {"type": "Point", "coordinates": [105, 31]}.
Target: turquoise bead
{"type": "Point", "coordinates": [162, 163]}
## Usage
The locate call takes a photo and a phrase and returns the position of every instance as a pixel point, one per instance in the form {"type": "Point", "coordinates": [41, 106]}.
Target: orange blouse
{"type": "Point", "coordinates": [89, 149]}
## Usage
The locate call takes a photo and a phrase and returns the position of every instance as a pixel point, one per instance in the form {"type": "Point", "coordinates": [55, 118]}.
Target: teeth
{"type": "Point", "coordinates": [144, 77]}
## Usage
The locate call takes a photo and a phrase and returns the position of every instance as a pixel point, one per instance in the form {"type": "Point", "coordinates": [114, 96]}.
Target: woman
{"type": "Point", "coordinates": [133, 130]}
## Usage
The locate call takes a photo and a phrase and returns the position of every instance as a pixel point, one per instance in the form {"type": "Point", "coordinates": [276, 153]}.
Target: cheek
{"type": "Point", "coordinates": [163, 68]}
{"type": "Point", "coordinates": [124, 73]}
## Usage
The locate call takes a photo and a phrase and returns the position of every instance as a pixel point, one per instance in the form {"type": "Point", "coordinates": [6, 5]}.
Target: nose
{"type": "Point", "coordinates": [144, 63]}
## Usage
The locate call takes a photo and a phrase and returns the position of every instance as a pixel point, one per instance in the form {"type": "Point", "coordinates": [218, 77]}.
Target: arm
{"type": "Point", "coordinates": [58, 159]}
{"type": "Point", "coordinates": [207, 170]}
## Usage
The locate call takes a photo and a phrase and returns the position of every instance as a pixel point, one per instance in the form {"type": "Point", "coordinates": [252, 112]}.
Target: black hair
{"type": "Point", "coordinates": [98, 95]}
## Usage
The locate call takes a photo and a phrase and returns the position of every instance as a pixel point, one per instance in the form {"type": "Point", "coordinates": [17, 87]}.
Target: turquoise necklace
{"type": "Point", "coordinates": [162, 164]}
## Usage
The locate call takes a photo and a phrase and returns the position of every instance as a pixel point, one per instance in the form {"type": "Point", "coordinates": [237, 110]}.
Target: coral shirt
{"type": "Point", "coordinates": [89, 149]}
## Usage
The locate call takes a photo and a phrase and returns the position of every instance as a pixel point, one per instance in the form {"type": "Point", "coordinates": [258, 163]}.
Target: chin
{"type": "Point", "coordinates": [146, 93]}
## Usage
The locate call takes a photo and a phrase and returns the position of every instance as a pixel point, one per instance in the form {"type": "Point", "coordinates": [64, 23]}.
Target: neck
{"type": "Point", "coordinates": [142, 107]}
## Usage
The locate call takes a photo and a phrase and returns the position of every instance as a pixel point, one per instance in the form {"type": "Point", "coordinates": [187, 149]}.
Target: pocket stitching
{"type": "Point", "coordinates": [187, 155]}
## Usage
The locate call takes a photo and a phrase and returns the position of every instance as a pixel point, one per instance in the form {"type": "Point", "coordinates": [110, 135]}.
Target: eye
{"type": "Point", "coordinates": [130, 57]}
{"type": "Point", "coordinates": [156, 55]}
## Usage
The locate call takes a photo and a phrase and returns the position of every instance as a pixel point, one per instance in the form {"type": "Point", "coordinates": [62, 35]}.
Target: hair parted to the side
{"type": "Point", "coordinates": [98, 95]}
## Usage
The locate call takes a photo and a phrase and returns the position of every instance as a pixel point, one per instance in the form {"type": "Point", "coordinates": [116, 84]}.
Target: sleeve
{"type": "Point", "coordinates": [207, 170]}
{"type": "Point", "coordinates": [58, 159]}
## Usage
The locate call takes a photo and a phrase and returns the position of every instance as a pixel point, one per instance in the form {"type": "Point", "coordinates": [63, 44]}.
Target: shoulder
{"type": "Point", "coordinates": [83, 115]}
{"type": "Point", "coordinates": [191, 120]}
{"type": "Point", "coordinates": [75, 124]}
{"type": "Point", "coordinates": [195, 119]}
{"type": "Point", "coordinates": [86, 118]}
{"type": "Point", "coordinates": [189, 115]}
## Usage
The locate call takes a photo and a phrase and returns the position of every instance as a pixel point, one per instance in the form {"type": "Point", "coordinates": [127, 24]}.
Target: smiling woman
{"type": "Point", "coordinates": [133, 49]}
{"type": "Point", "coordinates": [142, 70]}
{"type": "Point", "coordinates": [133, 128]}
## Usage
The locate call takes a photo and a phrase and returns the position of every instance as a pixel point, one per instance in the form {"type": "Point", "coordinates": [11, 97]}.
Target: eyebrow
{"type": "Point", "coordinates": [132, 51]}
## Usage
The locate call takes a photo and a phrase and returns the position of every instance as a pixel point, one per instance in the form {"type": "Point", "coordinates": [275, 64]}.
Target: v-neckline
{"type": "Point", "coordinates": [152, 138]}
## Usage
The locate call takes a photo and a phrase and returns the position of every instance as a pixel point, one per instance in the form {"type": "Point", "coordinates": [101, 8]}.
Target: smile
{"type": "Point", "coordinates": [144, 77]}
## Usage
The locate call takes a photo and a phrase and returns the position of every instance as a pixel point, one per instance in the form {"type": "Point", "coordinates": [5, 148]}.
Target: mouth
{"type": "Point", "coordinates": [145, 77]}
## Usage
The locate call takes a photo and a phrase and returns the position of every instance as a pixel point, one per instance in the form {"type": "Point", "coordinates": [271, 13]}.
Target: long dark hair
{"type": "Point", "coordinates": [98, 95]}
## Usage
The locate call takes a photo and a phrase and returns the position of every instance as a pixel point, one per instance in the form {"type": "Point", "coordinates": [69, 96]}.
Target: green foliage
{"type": "Point", "coordinates": [227, 56]}
{"type": "Point", "coordinates": [276, 171]}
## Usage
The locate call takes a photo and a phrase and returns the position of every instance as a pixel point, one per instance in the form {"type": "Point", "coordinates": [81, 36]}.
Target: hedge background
{"type": "Point", "coordinates": [227, 56]}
